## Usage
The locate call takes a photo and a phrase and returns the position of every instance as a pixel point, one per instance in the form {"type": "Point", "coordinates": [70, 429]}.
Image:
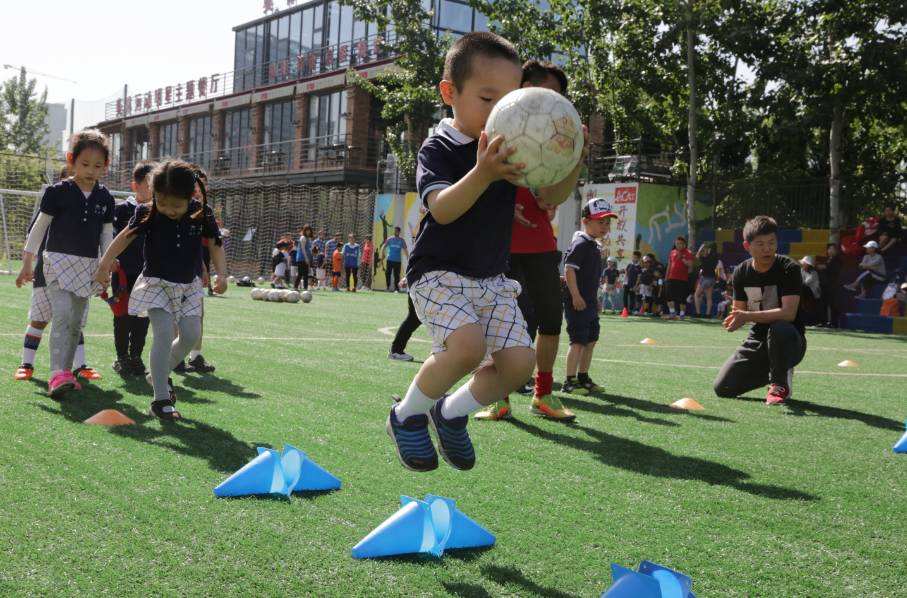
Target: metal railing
{"type": "Point", "coordinates": [319, 154]}
{"type": "Point", "coordinates": [302, 66]}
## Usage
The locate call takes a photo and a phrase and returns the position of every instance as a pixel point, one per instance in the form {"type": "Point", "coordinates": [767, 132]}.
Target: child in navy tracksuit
{"type": "Point", "coordinates": [77, 217]}
{"type": "Point", "coordinates": [351, 253]}
{"type": "Point", "coordinates": [129, 332]}
{"type": "Point", "coordinates": [582, 271]}
{"type": "Point", "coordinates": [169, 292]}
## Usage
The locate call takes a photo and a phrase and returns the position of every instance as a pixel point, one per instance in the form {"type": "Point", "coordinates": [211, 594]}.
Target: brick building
{"type": "Point", "coordinates": [286, 111]}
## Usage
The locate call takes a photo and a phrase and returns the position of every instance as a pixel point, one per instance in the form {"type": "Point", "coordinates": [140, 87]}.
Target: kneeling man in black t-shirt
{"type": "Point", "coordinates": [766, 291]}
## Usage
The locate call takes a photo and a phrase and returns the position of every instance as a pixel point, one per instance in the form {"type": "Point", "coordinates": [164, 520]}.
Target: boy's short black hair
{"type": "Point", "coordinates": [535, 72]}
{"type": "Point", "coordinates": [458, 61]}
{"type": "Point", "coordinates": [759, 226]}
{"type": "Point", "coordinates": [142, 170]}
{"type": "Point", "coordinates": [680, 238]}
{"type": "Point", "coordinates": [637, 253]}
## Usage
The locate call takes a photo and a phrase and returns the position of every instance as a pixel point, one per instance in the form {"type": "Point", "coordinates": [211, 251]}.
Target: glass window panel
{"type": "Point", "coordinates": [305, 42]}
{"type": "Point", "coordinates": [319, 16]}
{"type": "Point", "coordinates": [481, 23]}
{"type": "Point", "coordinates": [259, 53]}
{"type": "Point", "coordinates": [455, 16]}
{"type": "Point", "coordinates": [283, 37]}
{"type": "Point", "coordinates": [334, 24]}
{"type": "Point", "coordinates": [295, 21]}
{"type": "Point", "coordinates": [341, 128]}
{"type": "Point", "coordinates": [346, 24]}
{"type": "Point", "coordinates": [359, 29]}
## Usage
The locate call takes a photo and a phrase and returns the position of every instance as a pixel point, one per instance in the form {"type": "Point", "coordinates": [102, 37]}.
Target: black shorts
{"type": "Point", "coordinates": [540, 300]}
{"type": "Point", "coordinates": [582, 326]}
{"type": "Point", "coordinates": [677, 290]}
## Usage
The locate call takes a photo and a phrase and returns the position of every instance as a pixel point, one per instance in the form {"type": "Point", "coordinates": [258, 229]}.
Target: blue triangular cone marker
{"type": "Point", "coordinates": [901, 445]}
{"type": "Point", "coordinates": [407, 531]}
{"type": "Point", "coordinates": [312, 477]}
{"type": "Point", "coordinates": [261, 475]}
{"type": "Point", "coordinates": [650, 581]}
{"type": "Point", "coordinates": [630, 584]}
{"type": "Point", "coordinates": [464, 532]}
{"type": "Point", "coordinates": [672, 582]}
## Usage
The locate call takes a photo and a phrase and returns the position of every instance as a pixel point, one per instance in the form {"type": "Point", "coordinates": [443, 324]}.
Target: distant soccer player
{"type": "Point", "coordinates": [766, 291]}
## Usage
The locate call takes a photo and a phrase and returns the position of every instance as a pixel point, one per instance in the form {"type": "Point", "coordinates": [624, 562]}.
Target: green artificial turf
{"type": "Point", "coordinates": [800, 500]}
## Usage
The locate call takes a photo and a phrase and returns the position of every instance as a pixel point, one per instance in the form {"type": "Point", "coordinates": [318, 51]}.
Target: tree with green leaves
{"type": "Point", "coordinates": [25, 121]}
{"type": "Point", "coordinates": [409, 92]}
{"type": "Point", "coordinates": [843, 72]}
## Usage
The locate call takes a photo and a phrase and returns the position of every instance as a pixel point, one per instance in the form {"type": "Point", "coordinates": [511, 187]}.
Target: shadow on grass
{"type": "Point", "coordinates": [216, 384]}
{"type": "Point", "coordinates": [466, 590]}
{"type": "Point", "coordinates": [511, 575]}
{"type": "Point", "coordinates": [189, 437]}
{"type": "Point", "coordinates": [193, 438]}
{"type": "Point", "coordinates": [641, 458]}
{"type": "Point", "coordinates": [137, 385]}
{"type": "Point", "coordinates": [618, 402]}
{"type": "Point", "coordinates": [806, 408]}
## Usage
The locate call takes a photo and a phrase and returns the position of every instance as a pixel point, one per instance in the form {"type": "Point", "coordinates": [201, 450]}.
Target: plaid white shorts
{"type": "Point", "coordinates": [72, 272]}
{"type": "Point", "coordinates": [446, 301]}
{"type": "Point", "coordinates": [180, 299]}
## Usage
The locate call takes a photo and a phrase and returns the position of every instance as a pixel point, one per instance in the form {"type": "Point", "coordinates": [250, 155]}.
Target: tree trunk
{"type": "Point", "coordinates": [691, 126]}
{"type": "Point", "coordinates": [834, 162]}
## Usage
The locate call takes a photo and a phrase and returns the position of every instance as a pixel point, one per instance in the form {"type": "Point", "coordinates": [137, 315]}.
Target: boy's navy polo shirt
{"type": "Point", "coordinates": [172, 248]}
{"type": "Point", "coordinates": [584, 257]}
{"type": "Point", "coordinates": [132, 260]}
{"type": "Point", "coordinates": [77, 220]}
{"type": "Point", "coordinates": [477, 244]}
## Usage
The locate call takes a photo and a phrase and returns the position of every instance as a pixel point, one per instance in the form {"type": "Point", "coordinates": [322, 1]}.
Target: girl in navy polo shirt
{"type": "Point", "coordinates": [169, 291]}
{"type": "Point", "coordinates": [77, 217]}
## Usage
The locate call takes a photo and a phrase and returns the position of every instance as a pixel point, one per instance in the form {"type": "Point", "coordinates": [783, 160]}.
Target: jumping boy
{"type": "Point", "coordinates": [458, 288]}
{"type": "Point", "coordinates": [766, 291]}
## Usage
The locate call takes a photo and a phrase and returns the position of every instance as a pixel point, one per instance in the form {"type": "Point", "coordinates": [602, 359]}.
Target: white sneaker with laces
{"type": "Point", "coordinates": [400, 356]}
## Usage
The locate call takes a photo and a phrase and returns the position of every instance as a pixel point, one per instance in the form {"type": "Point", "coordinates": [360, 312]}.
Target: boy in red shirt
{"type": "Point", "coordinates": [678, 279]}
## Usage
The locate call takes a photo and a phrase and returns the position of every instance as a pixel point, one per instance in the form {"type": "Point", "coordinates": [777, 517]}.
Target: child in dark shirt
{"type": "Point", "coordinates": [456, 271]}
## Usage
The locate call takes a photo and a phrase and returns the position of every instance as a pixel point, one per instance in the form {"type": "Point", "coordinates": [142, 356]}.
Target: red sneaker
{"type": "Point", "coordinates": [777, 394]}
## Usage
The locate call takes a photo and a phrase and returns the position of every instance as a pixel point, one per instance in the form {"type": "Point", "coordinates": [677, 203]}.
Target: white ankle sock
{"type": "Point", "coordinates": [414, 403]}
{"type": "Point", "coordinates": [460, 403]}
{"type": "Point", "coordinates": [32, 340]}
{"type": "Point", "coordinates": [78, 358]}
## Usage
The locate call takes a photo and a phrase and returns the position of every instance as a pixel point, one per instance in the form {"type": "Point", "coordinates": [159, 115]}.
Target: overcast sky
{"type": "Point", "coordinates": [102, 45]}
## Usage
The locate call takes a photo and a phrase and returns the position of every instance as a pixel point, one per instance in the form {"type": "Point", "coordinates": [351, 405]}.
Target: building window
{"type": "Point", "coordinates": [237, 132]}
{"type": "Point", "coordinates": [327, 123]}
{"type": "Point", "coordinates": [168, 145]}
{"type": "Point", "coordinates": [116, 145]}
{"type": "Point", "coordinates": [279, 133]}
{"type": "Point", "coordinates": [455, 17]}
{"type": "Point", "coordinates": [200, 141]}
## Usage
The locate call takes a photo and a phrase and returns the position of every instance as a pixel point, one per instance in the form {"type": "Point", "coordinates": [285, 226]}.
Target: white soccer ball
{"type": "Point", "coordinates": [292, 297]}
{"type": "Point", "coordinates": [274, 295]}
{"type": "Point", "coordinates": [231, 279]}
{"type": "Point", "coordinates": [284, 293]}
{"type": "Point", "coordinates": [306, 296]}
{"type": "Point", "coordinates": [546, 131]}
{"type": "Point", "coordinates": [260, 279]}
{"type": "Point", "coordinates": [256, 294]}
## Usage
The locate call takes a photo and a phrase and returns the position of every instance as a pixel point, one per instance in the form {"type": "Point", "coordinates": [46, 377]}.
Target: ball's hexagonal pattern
{"type": "Point", "coordinates": [546, 131]}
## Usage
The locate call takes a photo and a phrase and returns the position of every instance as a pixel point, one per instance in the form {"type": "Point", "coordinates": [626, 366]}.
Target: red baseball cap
{"type": "Point", "coordinates": [598, 208]}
